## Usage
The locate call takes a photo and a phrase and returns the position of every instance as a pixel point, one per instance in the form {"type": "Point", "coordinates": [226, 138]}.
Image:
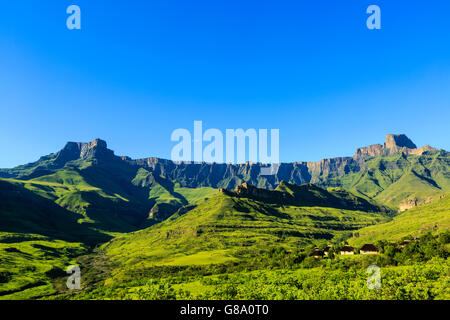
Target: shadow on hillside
{"type": "Point", "coordinates": [22, 211]}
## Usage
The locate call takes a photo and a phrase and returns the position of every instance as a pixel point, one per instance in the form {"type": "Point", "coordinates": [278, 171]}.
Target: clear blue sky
{"type": "Point", "coordinates": [140, 69]}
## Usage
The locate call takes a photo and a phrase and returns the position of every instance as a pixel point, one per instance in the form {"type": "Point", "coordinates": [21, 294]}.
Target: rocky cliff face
{"type": "Point", "coordinates": [248, 191]}
{"type": "Point", "coordinates": [223, 175]}
{"type": "Point", "coordinates": [96, 149]}
{"type": "Point", "coordinates": [373, 150]}
{"type": "Point", "coordinates": [231, 175]}
{"type": "Point", "coordinates": [394, 143]}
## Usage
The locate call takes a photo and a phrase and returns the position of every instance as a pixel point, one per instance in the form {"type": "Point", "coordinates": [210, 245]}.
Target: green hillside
{"type": "Point", "coordinates": [154, 219]}
{"type": "Point", "coordinates": [234, 246]}
{"type": "Point", "coordinates": [48, 219]}
{"type": "Point", "coordinates": [312, 195]}
{"type": "Point", "coordinates": [434, 217]}
{"type": "Point", "coordinates": [393, 175]}
{"type": "Point", "coordinates": [29, 264]}
{"type": "Point", "coordinates": [227, 228]}
{"type": "Point", "coordinates": [396, 178]}
{"type": "Point", "coordinates": [167, 197]}
{"type": "Point", "coordinates": [104, 200]}
{"type": "Point", "coordinates": [26, 212]}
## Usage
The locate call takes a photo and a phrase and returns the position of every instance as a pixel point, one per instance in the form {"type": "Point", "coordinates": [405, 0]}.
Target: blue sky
{"type": "Point", "coordinates": [140, 69]}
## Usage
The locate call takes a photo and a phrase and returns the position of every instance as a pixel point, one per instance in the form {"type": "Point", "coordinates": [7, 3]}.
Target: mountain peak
{"type": "Point", "coordinates": [398, 141]}
{"type": "Point", "coordinates": [97, 148]}
{"type": "Point", "coordinates": [394, 143]}
{"type": "Point", "coordinates": [98, 143]}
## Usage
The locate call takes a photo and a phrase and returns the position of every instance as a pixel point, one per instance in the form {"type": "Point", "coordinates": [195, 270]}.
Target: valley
{"type": "Point", "coordinates": [153, 229]}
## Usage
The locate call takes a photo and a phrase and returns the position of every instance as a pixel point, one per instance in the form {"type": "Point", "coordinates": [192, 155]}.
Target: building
{"type": "Point", "coordinates": [347, 250]}
{"type": "Point", "coordinates": [316, 254]}
{"type": "Point", "coordinates": [326, 250]}
{"type": "Point", "coordinates": [369, 248]}
{"type": "Point", "coordinates": [404, 243]}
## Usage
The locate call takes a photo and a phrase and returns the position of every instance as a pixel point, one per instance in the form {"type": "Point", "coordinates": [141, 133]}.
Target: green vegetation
{"type": "Point", "coordinates": [23, 211]}
{"type": "Point", "coordinates": [393, 179]}
{"type": "Point", "coordinates": [139, 232]}
{"type": "Point", "coordinates": [226, 228]}
{"type": "Point", "coordinates": [418, 271]}
{"type": "Point", "coordinates": [225, 233]}
{"type": "Point", "coordinates": [29, 263]}
{"type": "Point", "coordinates": [43, 220]}
{"type": "Point", "coordinates": [434, 217]}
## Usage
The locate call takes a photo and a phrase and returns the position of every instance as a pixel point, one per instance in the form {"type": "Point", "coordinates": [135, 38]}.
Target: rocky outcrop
{"type": "Point", "coordinates": [96, 149]}
{"type": "Point", "coordinates": [373, 150]}
{"type": "Point", "coordinates": [331, 167]}
{"type": "Point", "coordinates": [419, 151]}
{"type": "Point", "coordinates": [394, 143]}
{"type": "Point", "coordinates": [248, 191]}
{"type": "Point", "coordinates": [414, 202]}
{"type": "Point", "coordinates": [223, 175]}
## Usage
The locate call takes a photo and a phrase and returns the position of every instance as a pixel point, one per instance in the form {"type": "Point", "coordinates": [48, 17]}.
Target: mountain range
{"type": "Point", "coordinates": [397, 172]}
{"type": "Point", "coordinates": [154, 213]}
{"type": "Point", "coordinates": [87, 184]}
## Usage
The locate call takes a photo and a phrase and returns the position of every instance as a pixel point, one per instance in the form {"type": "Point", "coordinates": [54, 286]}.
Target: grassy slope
{"type": "Point", "coordinates": [162, 190]}
{"type": "Point", "coordinates": [99, 197]}
{"type": "Point", "coordinates": [311, 195]}
{"type": "Point", "coordinates": [62, 205]}
{"type": "Point", "coordinates": [78, 197]}
{"type": "Point", "coordinates": [38, 238]}
{"type": "Point", "coordinates": [393, 179]}
{"type": "Point", "coordinates": [195, 195]}
{"type": "Point", "coordinates": [29, 263]}
{"type": "Point", "coordinates": [24, 211]}
{"type": "Point", "coordinates": [225, 228]}
{"type": "Point", "coordinates": [434, 217]}
{"type": "Point", "coordinates": [219, 230]}
{"type": "Point", "coordinates": [113, 211]}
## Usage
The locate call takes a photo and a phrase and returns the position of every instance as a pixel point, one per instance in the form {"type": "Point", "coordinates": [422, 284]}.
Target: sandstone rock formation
{"type": "Point", "coordinates": [231, 175]}
{"type": "Point", "coordinates": [414, 202]}
{"type": "Point", "coordinates": [96, 149]}
{"type": "Point", "coordinates": [222, 175]}
{"type": "Point", "coordinates": [394, 143]}
{"type": "Point", "coordinates": [249, 191]}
